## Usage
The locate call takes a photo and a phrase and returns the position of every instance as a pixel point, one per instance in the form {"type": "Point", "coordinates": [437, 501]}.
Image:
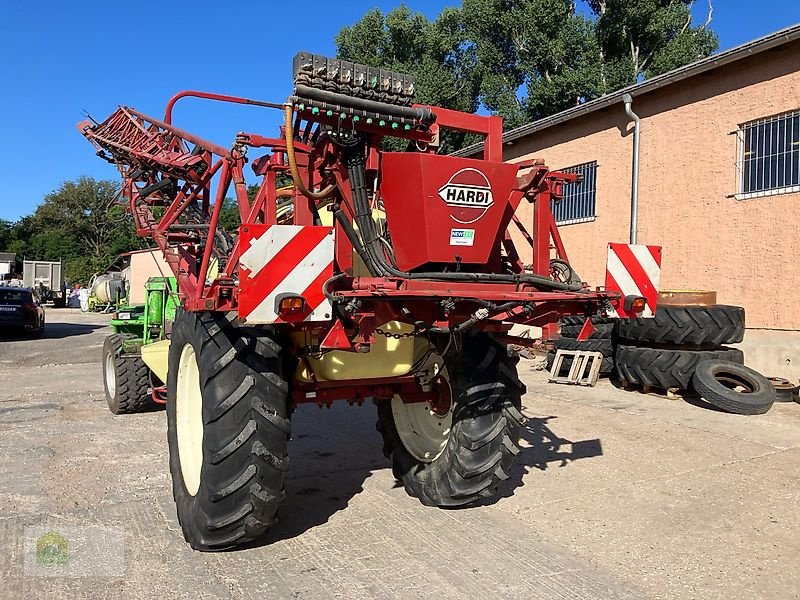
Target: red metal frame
{"type": "Point", "coordinates": [167, 171]}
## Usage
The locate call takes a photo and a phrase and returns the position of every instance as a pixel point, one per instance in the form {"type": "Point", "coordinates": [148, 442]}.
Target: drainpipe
{"type": "Point", "coordinates": [628, 100]}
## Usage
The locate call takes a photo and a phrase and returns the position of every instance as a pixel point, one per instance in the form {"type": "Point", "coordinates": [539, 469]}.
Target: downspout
{"type": "Point", "coordinates": [628, 100]}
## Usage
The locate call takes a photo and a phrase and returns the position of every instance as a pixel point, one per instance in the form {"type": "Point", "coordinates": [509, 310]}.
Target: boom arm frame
{"type": "Point", "coordinates": [175, 185]}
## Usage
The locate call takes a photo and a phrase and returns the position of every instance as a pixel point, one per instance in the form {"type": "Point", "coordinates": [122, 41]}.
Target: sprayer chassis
{"type": "Point", "coordinates": [390, 276]}
{"type": "Point", "coordinates": [166, 170]}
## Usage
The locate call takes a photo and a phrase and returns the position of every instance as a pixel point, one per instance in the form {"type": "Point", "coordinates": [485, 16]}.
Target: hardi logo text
{"type": "Point", "coordinates": [467, 189]}
{"type": "Point", "coordinates": [466, 195]}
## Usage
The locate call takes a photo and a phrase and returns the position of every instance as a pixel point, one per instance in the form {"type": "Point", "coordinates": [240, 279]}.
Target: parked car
{"type": "Point", "coordinates": [21, 311]}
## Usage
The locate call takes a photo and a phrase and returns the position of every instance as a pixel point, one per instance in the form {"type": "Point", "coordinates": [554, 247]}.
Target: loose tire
{"type": "Point", "coordinates": [227, 429]}
{"type": "Point", "coordinates": [125, 378]}
{"type": "Point", "coordinates": [733, 388]}
{"type": "Point", "coordinates": [696, 326]}
{"type": "Point", "coordinates": [600, 331]}
{"type": "Point", "coordinates": [479, 445]}
{"type": "Point", "coordinates": [665, 369]}
{"type": "Point", "coordinates": [603, 346]}
{"type": "Point", "coordinates": [576, 320]}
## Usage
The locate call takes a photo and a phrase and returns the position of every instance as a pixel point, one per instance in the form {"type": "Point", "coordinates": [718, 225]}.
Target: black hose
{"type": "Point", "coordinates": [352, 236]}
{"type": "Point", "coordinates": [354, 160]}
{"type": "Point", "coordinates": [332, 298]}
{"type": "Point", "coordinates": [424, 115]}
{"type": "Point", "coordinates": [157, 186]}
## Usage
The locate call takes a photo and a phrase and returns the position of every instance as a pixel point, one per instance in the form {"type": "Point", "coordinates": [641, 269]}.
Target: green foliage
{"type": "Point", "coordinates": [229, 218]}
{"type": "Point", "coordinates": [527, 59]}
{"type": "Point", "coordinates": [79, 269]}
{"type": "Point", "coordinates": [537, 57]}
{"type": "Point", "coordinates": [6, 233]}
{"type": "Point", "coordinates": [437, 52]}
{"type": "Point", "coordinates": [83, 224]}
{"type": "Point", "coordinates": [80, 223]}
{"type": "Point", "coordinates": [644, 38]}
{"type": "Point", "coordinates": [408, 42]}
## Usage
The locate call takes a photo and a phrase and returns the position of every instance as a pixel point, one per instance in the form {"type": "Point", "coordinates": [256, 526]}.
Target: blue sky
{"type": "Point", "coordinates": [59, 58]}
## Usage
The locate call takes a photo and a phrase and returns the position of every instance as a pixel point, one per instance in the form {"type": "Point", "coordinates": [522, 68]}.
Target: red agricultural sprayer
{"type": "Point", "coordinates": [375, 275]}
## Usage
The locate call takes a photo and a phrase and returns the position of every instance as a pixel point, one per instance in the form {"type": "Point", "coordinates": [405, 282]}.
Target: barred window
{"type": "Point", "coordinates": [769, 156]}
{"type": "Point", "coordinates": [578, 205]}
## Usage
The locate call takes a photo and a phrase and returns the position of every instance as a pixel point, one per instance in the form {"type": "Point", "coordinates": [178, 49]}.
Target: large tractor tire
{"type": "Point", "coordinates": [604, 345]}
{"type": "Point", "coordinates": [576, 320]}
{"type": "Point", "coordinates": [227, 429]}
{"type": "Point", "coordinates": [690, 326]}
{"type": "Point", "coordinates": [458, 451]}
{"type": "Point", "coordinates": [666, 369]}
{"type": "Point", "coordinates": [125, 378]}
{"type": "Point", "coordinates": [600, 331]}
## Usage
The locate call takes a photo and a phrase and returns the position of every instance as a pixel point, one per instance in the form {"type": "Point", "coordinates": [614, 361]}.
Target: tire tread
{"type": "Point", "coordinates": [731, 401]}
{"type": "Point", "coordinates": [245, 434]}
{"type": "Point", "coordinates": [689, 326]}
{"type": "Point", "coordinates": [486, 421]}
{"type": "Point", "coordinates": [665, 368]}
{"type": "Point", "coordinates": [133, 378]}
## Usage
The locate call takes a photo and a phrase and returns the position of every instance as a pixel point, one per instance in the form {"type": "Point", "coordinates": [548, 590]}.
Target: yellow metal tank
{"type": "Point", "coordinates": [388, 357]}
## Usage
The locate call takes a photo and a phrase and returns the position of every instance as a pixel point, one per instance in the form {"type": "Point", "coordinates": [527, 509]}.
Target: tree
{"type": "Point", "coordinates": [81, 223]}
{"type": "Point", "coordinates": [229, 217]}
{"type": "Point", "coordinates": [6, 234]}
{"type": "Point", "coordinates": [644, 38]}
{"type": "Point", "coordinates": [528, 59]}
{"type": "Point", "coordinates": [82, 210]}
{"type": "Point", "coordinates": [536, 57]}
{"type": "Point", "coordinates": [437, 52]}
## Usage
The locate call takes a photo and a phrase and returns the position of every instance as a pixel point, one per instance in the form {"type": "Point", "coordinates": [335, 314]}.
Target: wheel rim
{"type": "Point", "coordinates": [189, 419]}
{"type": "Point", "coordinates": [111, 376]}
{"type": "Point", "coordinates": [425, 429]}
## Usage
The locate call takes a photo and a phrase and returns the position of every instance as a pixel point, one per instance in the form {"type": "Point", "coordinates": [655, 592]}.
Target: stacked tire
{"type": "Point", "coordinates": [601, 340]}
{"type": "Point", "coordinates": [664, 351]}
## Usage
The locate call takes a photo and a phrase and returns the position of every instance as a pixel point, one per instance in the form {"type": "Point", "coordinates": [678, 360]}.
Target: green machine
{"type": "Point", "coordinates": [134, 355]}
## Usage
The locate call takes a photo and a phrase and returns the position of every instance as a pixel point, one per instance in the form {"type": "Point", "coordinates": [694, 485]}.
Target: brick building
{"type": "Point", "coordinates": [719, 182]}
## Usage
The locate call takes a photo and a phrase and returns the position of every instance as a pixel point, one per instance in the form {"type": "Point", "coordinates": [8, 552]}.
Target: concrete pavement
{"type": "Point", "coordinates": [615, 495]}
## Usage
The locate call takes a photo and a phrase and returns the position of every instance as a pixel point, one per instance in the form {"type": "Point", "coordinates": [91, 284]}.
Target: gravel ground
{"type": "Point", "coordinates": [615, 495]}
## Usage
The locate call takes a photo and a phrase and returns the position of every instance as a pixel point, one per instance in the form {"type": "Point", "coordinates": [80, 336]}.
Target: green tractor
{"type": "Point", "coordinates": [135, 354]}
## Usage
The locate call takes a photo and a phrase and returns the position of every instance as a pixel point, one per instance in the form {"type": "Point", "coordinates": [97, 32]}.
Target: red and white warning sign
{"type": "Point", "coordinates": [284, 260]}
{"type": "Point", "coordinates": [634, 270]}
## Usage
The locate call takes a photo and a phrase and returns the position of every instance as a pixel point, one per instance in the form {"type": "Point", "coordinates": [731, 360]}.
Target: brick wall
{"type": "Point", "coordinates": [747, 250]}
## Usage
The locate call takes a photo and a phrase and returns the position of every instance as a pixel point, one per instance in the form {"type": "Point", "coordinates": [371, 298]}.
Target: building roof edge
{"type": "Point", "coordinates": [768, 42]}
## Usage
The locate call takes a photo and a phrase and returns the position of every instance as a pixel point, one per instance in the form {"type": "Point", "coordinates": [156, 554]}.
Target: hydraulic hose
{"type": "Point", "coordinates": [352, 236]}
{"type": "Point", "coordinates": [332, 298]}
{"type": "Point", "coordinates": [288, 113]}
{"type": "Point", "coordinates": [354, 161]}
{"type": "Point", "coordinates": [424, 115]}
